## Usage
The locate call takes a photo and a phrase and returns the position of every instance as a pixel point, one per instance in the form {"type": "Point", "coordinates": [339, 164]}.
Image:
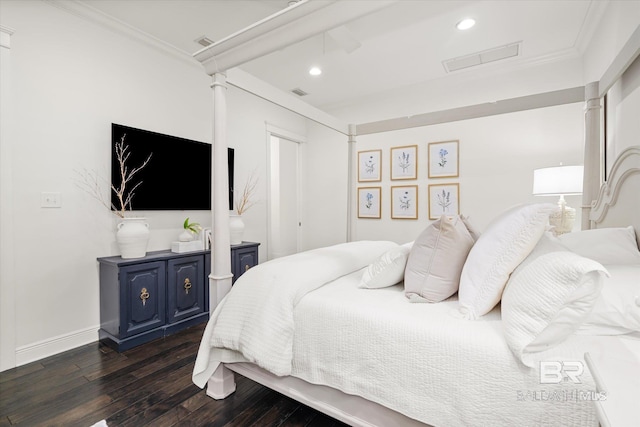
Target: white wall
{"type": "Point", "coordinates": [497, 157]}
{"type": "Point", "coordinates": [621, 19]}
{"type": "Point", "coordinates": [70, 80]}
{"type": "Point", "coordinates": [325, 178]}
{"type": "Point", "coordinates": [623, 110]}
{"type": "Point", "coordinates": [497, 154]}
{"type": "Point", "coordinates": [247, 133]}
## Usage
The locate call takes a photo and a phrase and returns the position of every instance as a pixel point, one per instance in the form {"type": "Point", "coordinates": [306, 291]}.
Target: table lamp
{"type": "Point", "coordinates": [559, 181]}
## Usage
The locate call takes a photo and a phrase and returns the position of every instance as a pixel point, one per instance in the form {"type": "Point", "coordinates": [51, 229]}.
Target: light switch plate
{"type": "Point", "coordinates": [51, 200]}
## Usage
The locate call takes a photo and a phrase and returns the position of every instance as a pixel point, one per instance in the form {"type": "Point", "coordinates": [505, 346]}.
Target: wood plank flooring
{"type": "Point", "coordinates": [147, 385]}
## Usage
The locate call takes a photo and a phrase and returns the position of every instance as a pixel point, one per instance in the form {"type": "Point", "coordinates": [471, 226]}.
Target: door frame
{"type": "Point", "coordinates": [274, 131]}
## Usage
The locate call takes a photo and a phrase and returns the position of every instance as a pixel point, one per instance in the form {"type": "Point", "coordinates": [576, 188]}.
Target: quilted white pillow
{"type": "Point", "coordinates": [547, 300]}
{"type": "Point", "coordinates": [505, 244]}
{"type": "Point", "coordinates": [606, 245]}
{"type": "Point", "coordinates": [387, 269]}
{"type": "Point", "coordinates": [617, 310]}
{"type": "Point", "coordinates": [436, 260]}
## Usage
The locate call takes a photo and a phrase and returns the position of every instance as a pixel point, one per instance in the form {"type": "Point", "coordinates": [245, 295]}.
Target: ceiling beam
{"type": "Point", "coordinates": [529, 102]}
{"type": "Point", "coordinates": [245, 81]}
{"type": "Point", "coordinates": [298, 22]}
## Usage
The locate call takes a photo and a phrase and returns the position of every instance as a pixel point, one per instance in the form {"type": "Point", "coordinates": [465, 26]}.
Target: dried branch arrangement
{"type": "Point", "coordinates": [90, 182]}
{"type": "Point", "coordinates": [244, 201]}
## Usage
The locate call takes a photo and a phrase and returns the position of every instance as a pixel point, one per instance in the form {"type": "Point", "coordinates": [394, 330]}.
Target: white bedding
{"type": "Point", "coordinates": [254, 322]}
{"type": "Point", "coordinates": [422, 361]}
{"type": "Point", "coordinates": [417, 359]}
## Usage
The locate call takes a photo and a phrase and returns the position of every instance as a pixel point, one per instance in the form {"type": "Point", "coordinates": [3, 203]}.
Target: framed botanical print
{"type": "Point", "coordinates": [404, 202]}
{"type": "Point", "coordinates": [369, 165]}
{"type": "Point", "coordinates": [444, 199]}
{"type": "Point", "coordinates": [369, 202]}
{"type": "Point", "coordinates": [404, 162]}
{"type": "Point", "coordinates": [443, 159]}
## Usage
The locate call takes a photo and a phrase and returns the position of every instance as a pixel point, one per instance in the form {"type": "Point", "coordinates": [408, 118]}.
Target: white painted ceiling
{"type": "Point", "coordinates": [402, 44]}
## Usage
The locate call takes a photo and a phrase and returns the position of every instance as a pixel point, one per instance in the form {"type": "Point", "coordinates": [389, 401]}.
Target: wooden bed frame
{"type": "Point", "coordinates": [616, 203]}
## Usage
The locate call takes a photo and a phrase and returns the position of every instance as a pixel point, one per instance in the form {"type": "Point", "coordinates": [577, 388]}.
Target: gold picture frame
{"type": "Point", "coordinates": [444, 160]}
{"type": "Point", "coordinates": [404, 162]}
{"type": "Point", "coordinates": [444, 199]}
{"type": "Point", "coordinates": [369, 202]}
{"type": "Point", "coordinates": [370, 166]}
{"type": "Point", "coordinates": [404, 202]}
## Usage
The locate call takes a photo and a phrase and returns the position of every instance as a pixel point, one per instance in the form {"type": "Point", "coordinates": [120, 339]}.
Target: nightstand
{"type": "Point", "coordinates": [615, 366]}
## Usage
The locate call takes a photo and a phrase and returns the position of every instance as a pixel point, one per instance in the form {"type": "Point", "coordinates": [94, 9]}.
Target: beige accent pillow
{"type": "Point", "coordinates": [436, 260]}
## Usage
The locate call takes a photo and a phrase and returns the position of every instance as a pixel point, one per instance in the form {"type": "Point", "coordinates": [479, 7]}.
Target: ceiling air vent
{"type": "Point", "coordinates": [204, 41]}
{"type": "Point", "coordinates": [299, 92]}
{"type": "Point", "coordinates": [484, 57]}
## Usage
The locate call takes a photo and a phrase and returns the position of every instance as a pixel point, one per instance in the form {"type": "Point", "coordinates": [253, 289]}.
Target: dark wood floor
{"type": "Point", "coordinates": [147, 385]}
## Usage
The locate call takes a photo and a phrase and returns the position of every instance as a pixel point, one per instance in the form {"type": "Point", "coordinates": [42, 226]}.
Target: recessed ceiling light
{"type": "Point", "coordinates": [315, 71]}
{"type": "Point", "coordinates": [465, 24]}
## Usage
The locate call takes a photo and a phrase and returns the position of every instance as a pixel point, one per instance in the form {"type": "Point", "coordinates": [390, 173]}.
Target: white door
{"type": "Point", "coordinates": [284, 220]}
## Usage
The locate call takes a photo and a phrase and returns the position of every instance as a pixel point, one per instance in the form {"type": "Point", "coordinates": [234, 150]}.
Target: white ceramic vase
{"type": "Point", "coordinates": [132, 237]}
{"type": "Point", "coordinates": [236, 228]}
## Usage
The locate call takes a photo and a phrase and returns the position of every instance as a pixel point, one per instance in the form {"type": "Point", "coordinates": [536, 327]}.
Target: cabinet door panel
{"type": "Point", "coordinates": [207, 273]}
{"type": "Point", "coordinates": [143, 297]}
{"type": "Point", "coordinates": [243, 259]}
{"type": "Point", "coordinates": [185, 288]}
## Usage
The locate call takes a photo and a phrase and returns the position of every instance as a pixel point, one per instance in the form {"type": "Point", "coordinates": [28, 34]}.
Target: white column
{"type": "Point", "coordinates": [7, 282]}
{"type": "Point", "coordinates": [592, 156]}
{"type": "Point", "coordinates": [351, 190]}
{"type": "Point", "coordinates": [220, 278]}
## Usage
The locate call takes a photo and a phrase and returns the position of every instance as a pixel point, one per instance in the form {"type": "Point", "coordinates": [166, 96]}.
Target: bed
{"type": "Point", "coordinates": [304, 326]}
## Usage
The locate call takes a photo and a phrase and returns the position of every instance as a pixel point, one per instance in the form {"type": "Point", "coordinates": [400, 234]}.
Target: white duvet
{"type": "Point", "coordinates": [254, 322]}
{"type": "Point", "coordinates": [417, 359]}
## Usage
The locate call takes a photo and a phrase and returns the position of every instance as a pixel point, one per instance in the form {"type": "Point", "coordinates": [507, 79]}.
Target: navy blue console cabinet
{"type": "Point", "coordinates": [162, 293]}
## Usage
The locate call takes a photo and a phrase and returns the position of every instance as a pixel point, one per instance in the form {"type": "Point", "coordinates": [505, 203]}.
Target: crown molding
{"type": "Point", "coordinates": [5, 36]}
{"type": "Point", "coordinates": [85, 11]}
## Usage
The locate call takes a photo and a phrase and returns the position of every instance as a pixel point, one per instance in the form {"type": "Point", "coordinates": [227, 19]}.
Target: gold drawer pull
{"type": "Point", "coordinates": [187, 285]}
{"type": "Point", "coordinates": [144, 295]}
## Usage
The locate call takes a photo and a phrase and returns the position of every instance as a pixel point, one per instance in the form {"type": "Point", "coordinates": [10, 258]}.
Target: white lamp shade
{"type": "Point", "coordinates": [559, 180]}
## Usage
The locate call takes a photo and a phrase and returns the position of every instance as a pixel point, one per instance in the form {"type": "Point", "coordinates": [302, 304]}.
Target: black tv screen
{"type": "Point", "coordinates": [177, 177]}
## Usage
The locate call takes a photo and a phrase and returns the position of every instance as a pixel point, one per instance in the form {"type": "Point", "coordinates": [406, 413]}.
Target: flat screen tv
{"type": "Point", "coordinates": [178, 175]}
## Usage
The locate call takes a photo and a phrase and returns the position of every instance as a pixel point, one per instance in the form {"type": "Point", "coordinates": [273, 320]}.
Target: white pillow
{"type": "Point", "coordinates": [387, 269]}
{"type": "Point", "coordinates": [605, 245]}
{"type": "Point", "coordinates": [507, 241]}
{"type": "Point", "coordinates": [547, 300]}
{"type": "Point", "coordinates": [436, 260]}
{"type": "Point", "coordinates": [617, 309]}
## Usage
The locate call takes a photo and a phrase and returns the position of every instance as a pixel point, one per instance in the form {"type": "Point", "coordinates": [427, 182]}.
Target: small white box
{"type": "Point", "coordinates": [180, 247]}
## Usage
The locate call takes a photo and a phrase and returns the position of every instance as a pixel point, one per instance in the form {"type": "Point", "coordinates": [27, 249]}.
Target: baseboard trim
{"type": "Point", "coordinates": [45, 348]}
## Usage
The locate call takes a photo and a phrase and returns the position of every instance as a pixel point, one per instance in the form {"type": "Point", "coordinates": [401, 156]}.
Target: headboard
{"type": "Point", "coordinates": [618, 202]}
